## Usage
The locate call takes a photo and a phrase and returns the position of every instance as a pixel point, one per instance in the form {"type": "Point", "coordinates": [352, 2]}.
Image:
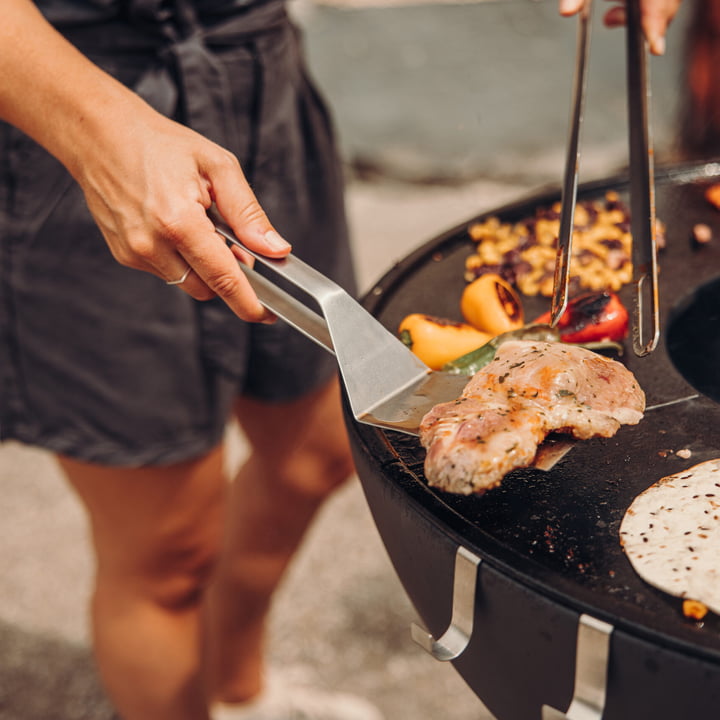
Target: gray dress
{"type": "Point", "coordinates": [108, 364]}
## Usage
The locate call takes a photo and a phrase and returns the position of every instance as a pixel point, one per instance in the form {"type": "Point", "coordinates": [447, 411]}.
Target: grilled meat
{"type": "Point", "coordinates": [529, 390]}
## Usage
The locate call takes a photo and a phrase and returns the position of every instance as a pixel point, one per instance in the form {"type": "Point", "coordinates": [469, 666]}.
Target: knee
{"type": "Point", "coordinates": [318, 467]}
{"type": "Point", "coordinates": [180, 575]}
{"type": "Point", "coordinates": [173, 574]}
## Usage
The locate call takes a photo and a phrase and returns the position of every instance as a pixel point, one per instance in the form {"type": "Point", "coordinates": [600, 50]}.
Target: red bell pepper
{"type": "Point", "coordinates": [592, 317]}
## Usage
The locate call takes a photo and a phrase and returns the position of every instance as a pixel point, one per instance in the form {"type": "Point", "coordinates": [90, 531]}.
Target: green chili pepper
{"type": "Point", "coordinates": [473, 361]}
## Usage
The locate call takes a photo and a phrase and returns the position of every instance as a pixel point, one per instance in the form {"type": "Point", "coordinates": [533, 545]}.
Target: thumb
{"type": "Point", "coordinates": [655, 22]}
{"type": "Point", "coordinates": [570, 7]}
{"type": "Point", "coordinates": [239, 207]}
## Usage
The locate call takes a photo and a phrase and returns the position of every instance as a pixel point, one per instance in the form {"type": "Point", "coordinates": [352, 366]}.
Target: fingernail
{"type": "Point", "coordinates": [568, 6]}
{"type": "Point", "coordinates": [657, 45]}
{"type": "Point", "coordinates": [275, 241]}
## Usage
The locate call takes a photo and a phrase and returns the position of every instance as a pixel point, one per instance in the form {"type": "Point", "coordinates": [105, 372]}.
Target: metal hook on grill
{"type": "Point", "coordinates": [591, 664]}
{"type": "Point", "coordinates": [457, 637]}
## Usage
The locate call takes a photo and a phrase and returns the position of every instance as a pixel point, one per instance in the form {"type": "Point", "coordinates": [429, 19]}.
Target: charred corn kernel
{"type": "Point", "coordinates": [491, 305]}
{"type": "Point", "coordinates": [624, 274]}
{"type": "Point", "coordinates": [581, 215]}
{"type": "Point", "coordinates": [694, 609]}
{"type": "Point", "coordinates": [615, 216]}
{"type": "Point", "coordinates": [489, 253]}
{"type": "Point", "coordinates": [437, 341]}
{"type": "Point", "coordinates": [546, 286]}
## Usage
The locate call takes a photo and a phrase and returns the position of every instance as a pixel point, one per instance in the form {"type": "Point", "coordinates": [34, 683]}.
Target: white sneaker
{"type": "Point", "coordinates": [282, 701]}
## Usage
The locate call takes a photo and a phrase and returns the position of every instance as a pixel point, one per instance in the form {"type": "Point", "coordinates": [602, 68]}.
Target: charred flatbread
{"type": "Point", "coordinates": [671, 534]}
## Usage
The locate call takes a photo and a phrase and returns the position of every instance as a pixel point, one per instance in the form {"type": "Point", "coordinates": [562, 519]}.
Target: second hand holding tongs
{"type": "Point", "coordinates": [646, 323]}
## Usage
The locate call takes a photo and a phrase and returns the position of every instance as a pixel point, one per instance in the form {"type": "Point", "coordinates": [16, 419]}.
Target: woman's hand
{"type": "Point", "coordinates": [656, 16]}
{"type": "Point", "coordinates": [148, 180]}
{"type": "Point", "coordinates": [149, 188]}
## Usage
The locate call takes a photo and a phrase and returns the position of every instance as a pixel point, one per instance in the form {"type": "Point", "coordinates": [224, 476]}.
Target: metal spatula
{"type": "Point", "coordinates": [386, 384]}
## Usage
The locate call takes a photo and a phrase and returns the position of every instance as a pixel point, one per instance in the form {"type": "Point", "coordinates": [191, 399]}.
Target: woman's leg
{"type": "Point", "coordinates": [156, 532]}
{"type": "Point", "coordinates": [299, 455]}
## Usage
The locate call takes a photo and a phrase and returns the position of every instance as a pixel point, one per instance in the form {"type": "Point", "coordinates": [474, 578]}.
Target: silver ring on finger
{"type": "Point", "coordinates": [181, 280]}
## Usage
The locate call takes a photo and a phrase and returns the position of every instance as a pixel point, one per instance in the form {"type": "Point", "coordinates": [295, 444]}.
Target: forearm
{"type": "Point", "coordinates": [51, 91]}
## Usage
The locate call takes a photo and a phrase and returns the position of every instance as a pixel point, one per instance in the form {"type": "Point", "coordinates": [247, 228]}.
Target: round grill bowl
{"type": "Point", "coordinates": [546, 544]}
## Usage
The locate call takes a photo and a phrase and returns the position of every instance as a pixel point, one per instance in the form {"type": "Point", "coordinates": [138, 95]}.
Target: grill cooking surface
{"type": "Point", "coordinates": [557, 532]}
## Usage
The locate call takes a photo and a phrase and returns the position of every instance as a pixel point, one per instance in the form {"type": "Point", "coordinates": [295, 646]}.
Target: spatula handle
{"type": "Point", "coordinates": [283, 304]}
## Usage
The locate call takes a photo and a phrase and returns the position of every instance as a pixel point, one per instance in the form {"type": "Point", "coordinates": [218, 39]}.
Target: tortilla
{"type": "Point", "coordinates": [671, 534]}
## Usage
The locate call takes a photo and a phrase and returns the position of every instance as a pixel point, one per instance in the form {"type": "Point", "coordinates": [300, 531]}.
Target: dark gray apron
{"type": "Point", "coordinates": [108, 364]}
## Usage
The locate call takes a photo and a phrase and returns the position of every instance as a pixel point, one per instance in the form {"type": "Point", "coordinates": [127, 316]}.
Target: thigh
{"type": "Point", "coordinates": [100, 362]}
{"type": "Point", "coordinates": [156, 531]}
{"type": "Point", "coordinates": [298, 179]}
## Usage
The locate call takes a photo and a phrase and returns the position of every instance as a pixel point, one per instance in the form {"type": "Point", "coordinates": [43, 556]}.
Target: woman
{"type": "Point", "coordinates": [123, 374]}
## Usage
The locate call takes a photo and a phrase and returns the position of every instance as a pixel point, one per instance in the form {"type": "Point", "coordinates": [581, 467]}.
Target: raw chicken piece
{"type": "Point", "coordinates": [506, 410]}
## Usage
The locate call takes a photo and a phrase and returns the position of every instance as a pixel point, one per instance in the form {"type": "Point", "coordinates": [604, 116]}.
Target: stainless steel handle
{"type": "Point", "coordinates": [274, 298]}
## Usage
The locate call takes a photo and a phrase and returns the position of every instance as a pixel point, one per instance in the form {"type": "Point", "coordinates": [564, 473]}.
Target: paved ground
{"type": "Point", "coordinates": [469, 102]}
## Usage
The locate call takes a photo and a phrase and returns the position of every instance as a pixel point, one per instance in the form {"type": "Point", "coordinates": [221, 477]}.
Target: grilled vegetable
{"type": "Point", "coordinates": [592, 317]}
{"type": "Point", "coordinates": [437, 341]}
{"type": "Point", "coordinates": [471, 362]}
{"type": "Point", "coordinates": [491, 304]}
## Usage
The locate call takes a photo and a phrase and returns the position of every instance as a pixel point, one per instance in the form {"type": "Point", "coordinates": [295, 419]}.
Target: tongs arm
{"type": "Point", "coordinates": [572, 163]}
{"type": "Point", "coordinates": [646, 320]}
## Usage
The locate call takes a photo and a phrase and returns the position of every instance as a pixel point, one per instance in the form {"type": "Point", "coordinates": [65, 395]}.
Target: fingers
{"type": "Point", "coordinates": [656, 17]}
{"type": "Point", "coordinates": [239, 207]}
{"type": "Point", "coordinates": [214, 270]}
{"type": "Point", "coordinates": [189, 240]}
{"type": "Point", "coordinates": [153, 213]}
{"type": "Point", "coordinates": [188, 254]}
{"type": "Point", "coordinates": [570, 7]}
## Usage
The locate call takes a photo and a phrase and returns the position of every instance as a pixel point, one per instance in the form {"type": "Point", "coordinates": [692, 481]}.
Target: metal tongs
{"type": "Point", "coordinates": [646, 319]}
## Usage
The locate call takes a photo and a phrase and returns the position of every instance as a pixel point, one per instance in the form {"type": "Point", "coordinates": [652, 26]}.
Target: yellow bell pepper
{"type": "Point", "coordinates": [490, 304]}
{"type": "Point", "coordinates": [437, 341]}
